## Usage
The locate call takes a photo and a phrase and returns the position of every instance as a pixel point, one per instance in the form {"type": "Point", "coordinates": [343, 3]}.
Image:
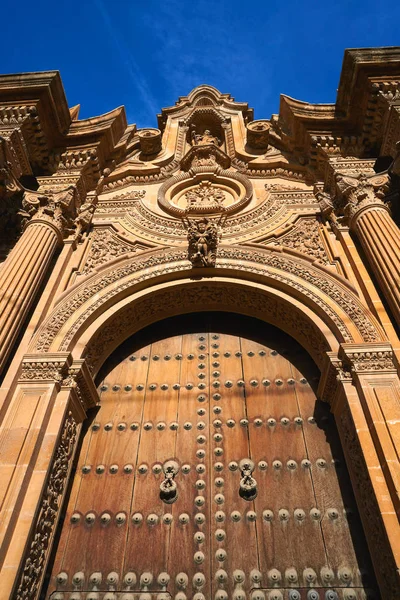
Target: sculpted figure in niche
{"type": "Point", "coordinates": [205, 139]}
{"type": "Point", "coordinates": [203, 241]}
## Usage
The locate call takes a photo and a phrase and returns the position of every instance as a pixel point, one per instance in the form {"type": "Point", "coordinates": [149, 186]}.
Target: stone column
{"type": "Point", "coordinates": [48, 218]}
{"type": "Point", "coordinates": [369, 218]}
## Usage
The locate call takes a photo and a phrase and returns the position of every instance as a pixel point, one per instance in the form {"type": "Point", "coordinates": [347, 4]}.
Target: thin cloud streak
{"type": "Point", "coordinates": [127, 59]}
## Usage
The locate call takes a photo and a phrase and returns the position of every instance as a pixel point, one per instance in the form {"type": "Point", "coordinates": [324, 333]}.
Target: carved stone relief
{"type": "Point", "coordinates": [275, 266]}
{"type": "Point", "coordinates": [200, 297]}
{"type": "Point", "coordinates": [105, 246]}
{"type": "Point", "coordinates": [305, 237]}
{"type": "Point", "coordinates": [37, 554]}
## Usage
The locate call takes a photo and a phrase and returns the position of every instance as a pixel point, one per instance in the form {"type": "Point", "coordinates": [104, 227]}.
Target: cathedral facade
{"type": "Point", "coordinates": [199, 351]}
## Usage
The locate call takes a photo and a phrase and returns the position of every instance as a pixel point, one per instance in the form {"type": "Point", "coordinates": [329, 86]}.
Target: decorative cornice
{"type": "Point", "coordinates": [369, 359]}
{"type": "Point", "coordinates": [52, 367]}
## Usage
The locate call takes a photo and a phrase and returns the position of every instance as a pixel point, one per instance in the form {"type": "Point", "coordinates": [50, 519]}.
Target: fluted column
{"type": "Point", "coordinates": [24, 269]}
{"type": "Point", "coordinates": [370, 219]}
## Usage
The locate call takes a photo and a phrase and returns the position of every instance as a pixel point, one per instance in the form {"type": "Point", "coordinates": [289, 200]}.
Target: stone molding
{"type": "Point", "coordinates": [314, 285]}
{"type": "Point", "coordinates": [79, 380]}
{"type": "Point", "coordinates": [352, 361]}
{"type": "Point", "coordinates": [52, 367]}
{"type": "Point", "coordinates": [370, 359]}
{"type": "Point", "coordinates": [59, 368]}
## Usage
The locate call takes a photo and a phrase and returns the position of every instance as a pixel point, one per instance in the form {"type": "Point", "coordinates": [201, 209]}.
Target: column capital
{"type": "Point", "coordinates": [359, 193]}
{"type": "Point", "coordinates": [44, 368]}
{"type": "Point", "coordinates": [369, 359]}
{"type": "Point", "coordinates": [60, 369]}
{"type": "Point", "coordinates": [354, 360]}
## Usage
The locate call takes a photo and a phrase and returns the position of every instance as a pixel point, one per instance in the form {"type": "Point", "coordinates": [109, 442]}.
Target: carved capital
{"type": "Point", "coordinates": [79, 379]}
{"type": "Point", "coordinates": [58, 209]}
{"type": "Point", "coordinates": [357, 194]}
{"type": "Point", "coordinates": [52, 367]}
{"type": "Point", "coordinates": [369, 358]}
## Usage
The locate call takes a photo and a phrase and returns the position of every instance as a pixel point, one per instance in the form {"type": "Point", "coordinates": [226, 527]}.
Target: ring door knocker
{"type": "Point", "coordinates": [247, 485]}
{"type": "Point", "coordinates": [168, 487]}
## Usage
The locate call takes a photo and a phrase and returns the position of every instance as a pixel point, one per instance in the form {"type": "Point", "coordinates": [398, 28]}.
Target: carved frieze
{"type": "Point", "coordinates": [51, 367]}
{"type": "Point", "coordinates": [376, 358]}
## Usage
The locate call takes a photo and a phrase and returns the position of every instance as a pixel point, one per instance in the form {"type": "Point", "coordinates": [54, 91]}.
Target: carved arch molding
{"type": "Point", "coordinates": [317, 308]}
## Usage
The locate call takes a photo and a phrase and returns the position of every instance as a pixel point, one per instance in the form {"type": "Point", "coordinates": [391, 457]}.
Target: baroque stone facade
{"type": "Point", "coordinates": [291, 219]}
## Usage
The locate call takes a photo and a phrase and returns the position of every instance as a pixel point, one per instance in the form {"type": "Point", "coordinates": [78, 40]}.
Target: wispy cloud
{"type": "Point", "coordinates": [125, 55]}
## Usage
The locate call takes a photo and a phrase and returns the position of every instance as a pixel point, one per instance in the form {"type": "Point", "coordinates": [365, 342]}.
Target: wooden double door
{"type": "Point", "coordinates": [210, 472]}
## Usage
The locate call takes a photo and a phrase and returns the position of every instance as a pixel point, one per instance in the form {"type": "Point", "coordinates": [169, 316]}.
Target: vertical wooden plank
{"type": "Point", "coordinates": [233, 527]}
{"type": "Point", "coordinates": [285, 496]}
{"type": "Point", "coordinates": [321, 439]}
{"type": "Point", "coordinates": [148, 536]}
{"type": "Point", "coordinates": [189, 551]}
{"type": "Point", "coordinates": [113, 446]}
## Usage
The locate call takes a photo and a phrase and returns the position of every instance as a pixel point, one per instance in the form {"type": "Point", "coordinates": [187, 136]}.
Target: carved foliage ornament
{"type": "Point", "coordinates": [356, 194]}
{"type": "Point", "coordinates": [44, 527]}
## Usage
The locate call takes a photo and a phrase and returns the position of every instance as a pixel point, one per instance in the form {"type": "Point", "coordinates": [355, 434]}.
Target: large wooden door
{"type": "Point", "coordinates": [259, 505]}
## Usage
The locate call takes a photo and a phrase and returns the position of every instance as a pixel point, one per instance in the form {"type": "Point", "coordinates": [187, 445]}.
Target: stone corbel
{"type": "Point", "coordinates": [334, 372]}
{"type": "Point", "coordinates": [80, 382]}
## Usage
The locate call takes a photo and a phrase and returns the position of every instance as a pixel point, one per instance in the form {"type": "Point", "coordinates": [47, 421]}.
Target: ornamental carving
{"type": "Point", "coordinates": [34, 563]}
{"type": "Point", "coordinates": [305, 238]}
{"type": "Point", "coordinates": [199, 296]}
{"type": "Point", "coordinates": [356, 194]}
{"type": "Point", "coordinates": [205, 198]}
{"type": "Point", "coordinates": [49, 368]}
{"type": "Point", "coordinates": [283, 269]}
{"type": "Point", "coordinates": [203, 241]}
{"type": "Point", "coordinates": [377, 358]}
{"type": "Point", "coordinates": [59, 209]}
{"type": "Point", "coordinates": [205, 189]}
{"type": "Point", "coordinates": [106, 246]}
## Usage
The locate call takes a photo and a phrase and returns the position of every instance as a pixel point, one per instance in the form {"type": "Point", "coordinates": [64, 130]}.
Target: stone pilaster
{"type": "Point", "coordinates": [362, 385]}
{"type": "Point", "coordinates": [40, 435]}
{"type": "Point", "coordinates": [369, 218]}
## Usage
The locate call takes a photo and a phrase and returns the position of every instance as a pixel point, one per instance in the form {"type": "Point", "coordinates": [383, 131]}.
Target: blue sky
{"type": "Point", "coordinates": [145, 54]}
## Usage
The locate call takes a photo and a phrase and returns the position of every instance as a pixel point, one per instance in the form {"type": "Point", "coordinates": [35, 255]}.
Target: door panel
{"type": "Point", "coordinates": [209, 401]}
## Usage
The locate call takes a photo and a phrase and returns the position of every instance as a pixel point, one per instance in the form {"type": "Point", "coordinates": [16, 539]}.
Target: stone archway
{"type": "Point", "coordinates": [320, 310]}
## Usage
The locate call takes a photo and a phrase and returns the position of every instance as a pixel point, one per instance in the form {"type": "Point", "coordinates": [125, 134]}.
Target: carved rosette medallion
{"type": "Point", "coordinates": [205, 192]}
